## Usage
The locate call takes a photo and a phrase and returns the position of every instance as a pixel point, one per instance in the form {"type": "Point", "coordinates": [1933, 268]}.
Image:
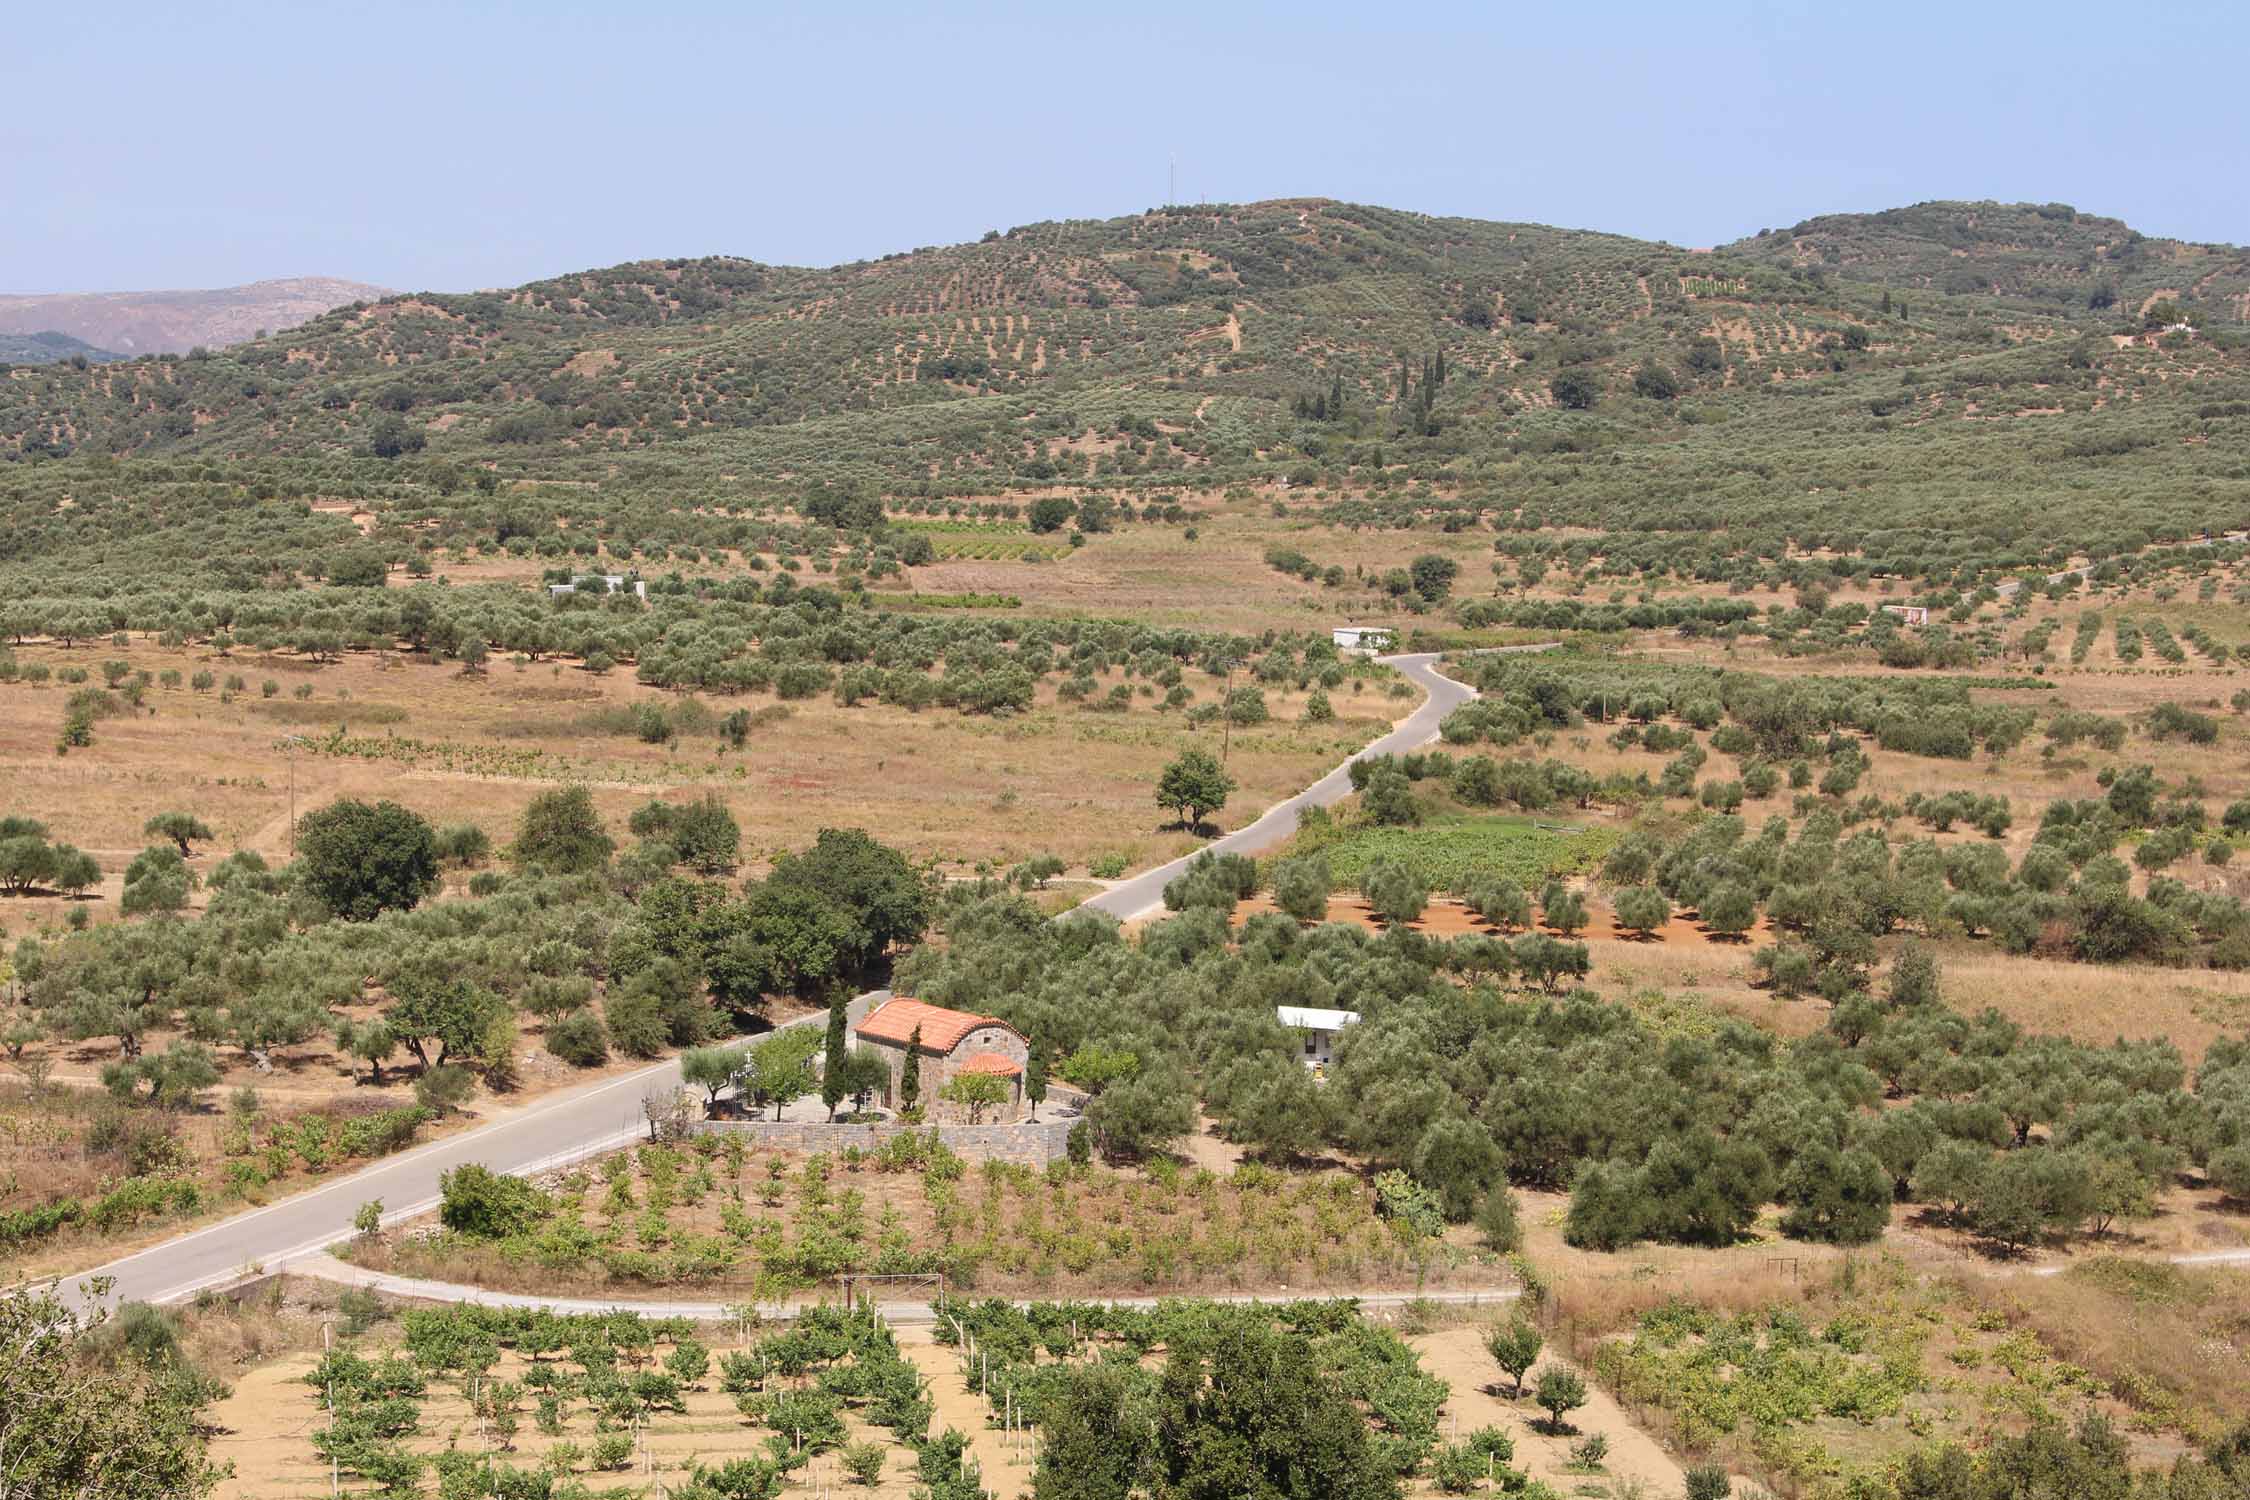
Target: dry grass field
{"type": "Point", "coordinates": [946, 787]}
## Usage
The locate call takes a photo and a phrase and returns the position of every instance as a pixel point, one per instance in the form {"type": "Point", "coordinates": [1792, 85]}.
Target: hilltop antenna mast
{"type": "Point", "coordinates": [1172, 181]}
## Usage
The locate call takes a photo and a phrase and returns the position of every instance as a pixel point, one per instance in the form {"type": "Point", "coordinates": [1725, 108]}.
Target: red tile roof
{"type": "Point", "coordinates": [895, 1021]}
{"type": "Point", "coordinates": [991, 1062]}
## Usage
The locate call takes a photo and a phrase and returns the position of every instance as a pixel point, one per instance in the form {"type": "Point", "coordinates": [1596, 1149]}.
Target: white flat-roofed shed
{"type": "Point", "coordinates": [1319, 1026]}
{"type": "Point", "coordinates": [1363, 637]}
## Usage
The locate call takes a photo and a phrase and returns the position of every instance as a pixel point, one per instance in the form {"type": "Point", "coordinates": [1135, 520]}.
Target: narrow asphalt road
{"type": "Point", "coordinates": [551, 1132]}
{"type": "Point", "coordinates": [597, 1117]}
{"type": "Point", "coordinates": [1144, 893]}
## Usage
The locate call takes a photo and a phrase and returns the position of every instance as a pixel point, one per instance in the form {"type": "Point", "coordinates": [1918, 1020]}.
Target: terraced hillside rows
{"type": "Point", "coordinates": [1945, 374]}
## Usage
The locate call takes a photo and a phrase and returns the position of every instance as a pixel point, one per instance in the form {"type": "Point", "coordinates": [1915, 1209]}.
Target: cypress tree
{"type": "Point", "coordinates": [1035, 1079]}
{"type": "Point", "coordinates": [910, 1076]}
{"type": "Point", "coordinates": [832, 1078]}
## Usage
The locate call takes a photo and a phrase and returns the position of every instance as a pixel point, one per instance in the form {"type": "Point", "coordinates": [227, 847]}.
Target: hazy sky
{"type": "Point", "coordinates": [453, 146]}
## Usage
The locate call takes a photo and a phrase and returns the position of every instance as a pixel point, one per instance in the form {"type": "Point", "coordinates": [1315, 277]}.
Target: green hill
{"type": "Point", "coordinates": [2048, 255]}
{"type": "Point", "coordinates": [46, 348]}
{"type": "Point", "coordinates": [1963, 381]}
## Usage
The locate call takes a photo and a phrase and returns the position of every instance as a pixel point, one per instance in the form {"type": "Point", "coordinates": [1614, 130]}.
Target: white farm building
{"type": "Point", "coordinates": [1363, 637]}
{"type": "Point", "coordinates": [612, 583]}
{"type": "Point", "coordinates": [1319, 1028]}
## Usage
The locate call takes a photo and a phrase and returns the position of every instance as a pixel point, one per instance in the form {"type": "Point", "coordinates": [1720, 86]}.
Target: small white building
{"type": "Point", "coordinates": [1319, 1028]}
{"type": "Point", "coordinates": [612, 583]}
{"type": "Point", "coordinates": [1363, 637]}
{"type": "Point", "coordinates": [1909, 614]}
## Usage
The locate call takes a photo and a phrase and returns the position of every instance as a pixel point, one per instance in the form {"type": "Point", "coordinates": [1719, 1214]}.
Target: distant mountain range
{"type": "Point", "coordinates": [47, 347]}
{"type": "Point", "coordinates": [131, 323]}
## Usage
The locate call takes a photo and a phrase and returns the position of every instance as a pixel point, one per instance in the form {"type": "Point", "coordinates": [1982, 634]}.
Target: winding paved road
{"type": "Point", "coordinates": [600, 1116]}
{"type": "Point", "coordinates": [1144, 893]}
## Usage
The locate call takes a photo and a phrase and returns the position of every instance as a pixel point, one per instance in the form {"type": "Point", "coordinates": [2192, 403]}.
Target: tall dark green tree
{"type": "Point", "coordinates": [910, 1076]}
{"type": "Point", "coordinates": [1243, 1412]}
{"type": "Point", "coordinates": [1195, 786]}
{"type": "Point", "coordinates": [1035, 1078]}
{"type": "Point", "coordinates": [562, 833]}
{"type": "Point", "coordinates": [1098, 1437]}
{"type": "Point", "coordinates": [361, 860]}
{"type": "Point", "coordinates": [835, 1081]}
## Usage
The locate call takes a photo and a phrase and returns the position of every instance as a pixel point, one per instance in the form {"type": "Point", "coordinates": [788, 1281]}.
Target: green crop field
{"type": "Point", "coordinates": [1448, 848]}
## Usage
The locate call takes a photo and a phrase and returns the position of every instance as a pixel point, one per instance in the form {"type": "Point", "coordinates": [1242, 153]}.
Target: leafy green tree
{"type": "Point", "coordinates": [1514, 1347]}
{"type": "Point", "coordinates": [1951, 1175]}
{"type": "Point", "coordinates": [463, 844]}
{"type": "Point", "coordinates": [1095, 1067]}
{"type": "Point", "coordinates": [156, 881]}
{"type": "Point", "coordinates": [864, 1462]}
{"type": "Point", "coordinates": [1243, 1409]}
{"type": "Point", "coordinates": [428, 1007]}
{"type": "Point", "coordinates": [579, 1039]}
{"type": "Point", "coordinates": [887, 901]}
{"type": "Point", "coordinates": [1547, 961]}
{"type": "Point", "coordinates": [1457, 1160]}
{"type": "Point", "coordinates": [1143, 1113]}
{"type": "Point", "coordinates": [1194, 786]}
{"type": "Point", "coordinates": [1558, 1391]}
{"type": "Point", "coordinates": [781, 1068]}
{"type": "Point", "coordinates": [266, 1019]}
{"type": "Point", "coordinates": [1496, 1219]}
{"type": "Point", "coordinates": [703, 833]}
{"type": "Point", "coordinates": [372, 1042]}
{"type": "Point", "coordinates": [174, 1076]}
{"type": "Point", "coordinates": [1433, 575]}
{"type": "Point", "coordinates": [1838, 1198]}
{"type": "Point", "coordinates": [1729, 911]}
{"type": "Point", "coordinates": [1389, 800]}
{"type": "Point", "coordinates": [562, 833]}
{"type": "Point", "coordinates": [634, 1020]}
{"type": "Point", "coordinates": [976, 1093]}
{"type": "Point", "coordinates": [1563, 909]}
{"type": "Point", "coordinates": [1098, 1439]}
{"type": "Point", "coordinates": [1575, 390]}
{"type": "Point", "coordinates": [1642, 909]}
{"type": "Point", "coordinates": [865, 1075]}
{"type": "Point", "coordinates": [1503, 903]}
{"type": "Point", "coordinates": [712, 1069]}
{"type": "Point", "coordinates": [1604, 1209]}
{"type": "Point", "coordinates": [1274, 1107]}
{"type": "Point", "coordinates": [1914, 978]}
{"type": "Point", "coordinates": [181, 828]}
{"type": "Point", "coordinates": [477, 1201]}
{"type": "Point", "coordinates": [442, 1090]}
{"type": "Point", "coordinates": [1393, 892]}
{"type": "Point", "coordinates": [360, 860]}
{"type": "Point", "coordinates": [93, 1427]}
{"type": "Point", "coordinates": [26, 860]}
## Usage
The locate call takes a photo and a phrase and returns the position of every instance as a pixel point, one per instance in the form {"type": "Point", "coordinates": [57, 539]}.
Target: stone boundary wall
{"type": "Point", "coordinates": [1025, 1145]}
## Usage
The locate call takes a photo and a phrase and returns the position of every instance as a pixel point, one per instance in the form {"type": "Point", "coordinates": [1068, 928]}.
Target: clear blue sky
{"type": "Point", "coordinates": [447, 147]}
